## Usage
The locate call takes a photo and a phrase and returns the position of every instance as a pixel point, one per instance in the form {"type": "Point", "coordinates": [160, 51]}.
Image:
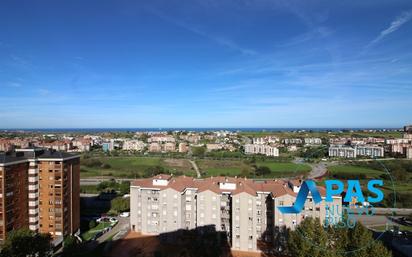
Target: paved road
{"type": "Point", "coordinates": [124, 224]}
{"type": "Point", "coordinates": [196, 168]}
{"type": "Point", "coordinates": [96, 181]}
{"type": "Point", "coordinates": [318, 170]}
{"type": "Point", "coordinates": [390, 211]}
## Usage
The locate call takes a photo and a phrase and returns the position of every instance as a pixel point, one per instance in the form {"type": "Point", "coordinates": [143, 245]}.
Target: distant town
{"type": "Point", "coordinates": [373, 143]}
{"type": "Point", "coordinates": [115, 193]}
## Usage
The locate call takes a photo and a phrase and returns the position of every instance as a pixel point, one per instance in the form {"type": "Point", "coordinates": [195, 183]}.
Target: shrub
{"type": "Point", "coordinates": [346, 176]}
{"type": "Point", "coordinates": [92, 224]}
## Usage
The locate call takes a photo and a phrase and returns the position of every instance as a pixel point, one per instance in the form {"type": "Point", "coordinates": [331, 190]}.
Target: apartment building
{"type": "Point", "coordinates": [169, 147]}
{"type": "Point", "coordinates": [133, 145]}
{"type": "Point", "coordinates": [155, 147]}
{"type": "Point", "coordinates": [343, 151]}
{"type": "Point", "coordinates": [82, 144]}
{"type": "Point", "coordinates": [214, 147]}
{"type": "Point", "coordinates": [347, 151]}
{"type": "Point", "coordinates": [261, 149]}
{"type": "Point", "coordinates": [265, 140]}
{"type": "Point", "coordinates": [313, 141]}
{"type": "Point", "coordinates": [192, 138]}
{"type": "Point", "coordinates": [246, 210]}
{"type": "Point", "coordinates": [108, 146]}
{"type": "Point", "coordinates": [161, 138]}
{"type": "Point", "coordinates": [295, 141]}
{"type": "Point", "coordinates": [183, 148]}
{"type": "Point", "coordinates": [397, 141]}
{"type": "Point", "coordinates": [370, 151]}
{"type": "Point", "coordinates": [39, 190]}
{"type": "Point", "coordinates": [409, 152]}
{"type": "Point", "coordinates": [399, 148]}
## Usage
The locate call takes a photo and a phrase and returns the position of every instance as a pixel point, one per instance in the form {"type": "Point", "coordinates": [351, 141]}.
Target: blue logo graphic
{"type": "Point", "coordinates": [334, 187]}
{"type": "Point", "coordinates": [306, 187]}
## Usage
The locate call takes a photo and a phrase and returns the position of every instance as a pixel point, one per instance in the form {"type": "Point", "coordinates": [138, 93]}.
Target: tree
{"type": "Point", "coordinates": [262, 170]}
{"type": "Point", "coordinates": [309, 239]}
{"type": "Point", "coordinates": [92, 224]}
{"type": "Point", "coordinates": [198, 151]}
{"type": "Point", "coordinates": [362, 244]}
{"type": "Point", "coordinates": [124, 187]}
{"type": "Point", "coordinates": [245, 171]}
{"type": "Point", "coordinates": [69, 245]}
{"type": "Point", "coordinates": [120, 204]}
{"type": "Point", "coordinates": [26, 243]}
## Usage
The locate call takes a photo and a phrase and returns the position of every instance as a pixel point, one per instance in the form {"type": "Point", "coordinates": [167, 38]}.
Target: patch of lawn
{"type": "Point", "coordinates": [132, 167]}
{"type": "Point", "coordinates": [391, 226]}
{"type": "Point", "coordinates": [92, 232]}
{"type": "Point", "coordinates": [355, 170]}
{"type": "Point", "coordinates": [234, 171]}
{"type": "Point", "coordinates": [282, 167]}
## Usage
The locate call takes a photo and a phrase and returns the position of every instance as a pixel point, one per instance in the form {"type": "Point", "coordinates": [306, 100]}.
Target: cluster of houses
{"type": "Point", "coordinates": [184, 142]}
{"type": "Point", "coordinates": [66, 144]}
{"type": "Point", "coordinates": [270, 145]}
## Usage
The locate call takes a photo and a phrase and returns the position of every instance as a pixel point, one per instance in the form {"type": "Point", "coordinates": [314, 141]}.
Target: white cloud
{"type": "Point", "coordinates": [395, 25]}
{"type": "Point", "coordinates": [217, 39]}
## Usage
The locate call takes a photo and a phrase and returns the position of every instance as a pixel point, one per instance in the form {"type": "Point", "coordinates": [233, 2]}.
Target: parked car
{"type": "Point", "coordinates": [124, 214]}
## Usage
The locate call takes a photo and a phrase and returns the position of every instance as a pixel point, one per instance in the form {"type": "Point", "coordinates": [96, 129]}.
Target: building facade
{"type": "Point", "coordinates": [261, 149]}
{"type": "Point", "coordinates": [409, 152]}
{"type": "Point", "coordinates": [313, 141]}
{"type": "Point", "coordinates": [370, 151]}
{"type": "Point", "coordinates": [246, 210]}
{"type": "Point", "coordinates": [347, 151]}
{"type": "Point", "coordinates": [343, 151]}
{"type": "Point", "coordinates": [39, 190]}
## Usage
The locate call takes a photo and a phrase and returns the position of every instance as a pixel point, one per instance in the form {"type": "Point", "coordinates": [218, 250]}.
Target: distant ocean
{"type": "Point", "coordinates": [100, 130]}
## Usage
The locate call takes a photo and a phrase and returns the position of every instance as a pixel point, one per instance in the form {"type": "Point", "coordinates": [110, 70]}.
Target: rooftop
{"type": "Point", "coordinates": [220, 185]}
{"type": "Point", "coordinates": [32, 153]}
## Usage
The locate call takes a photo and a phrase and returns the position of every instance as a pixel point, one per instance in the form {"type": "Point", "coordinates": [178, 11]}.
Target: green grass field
{"type": "Point", "coordinates": [284, 134]}
{"type": "Point", "coordinates": [384, 228]}
{"type": "Point", "coordinates": [355, 170]}
{"type": "Point", "coordinates": [285, 167]}
{"type": "Point", "coordinates": [92, 232]}
{"type": "Point", "coordinates": [135, 166]}
{"type": "Point", "coordinates": [234, 168]}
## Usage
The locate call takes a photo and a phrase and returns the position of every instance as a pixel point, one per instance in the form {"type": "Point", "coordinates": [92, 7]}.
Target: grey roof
{"type": "Point", "coordinates": [33, 153]}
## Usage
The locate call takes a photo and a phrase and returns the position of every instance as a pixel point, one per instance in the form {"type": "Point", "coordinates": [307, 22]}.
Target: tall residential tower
{"type": "Point", "coordinates": [39, 190]}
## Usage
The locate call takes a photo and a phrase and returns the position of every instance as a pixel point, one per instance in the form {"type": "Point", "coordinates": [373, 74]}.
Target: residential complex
{"type": "Point", "coordinates": [344, 151]}
{"type": "Point", "coordinates": [243, 208]}
{"type": "Point", "coordinates": [261, 149]}
{"type": "Point", "coordinates": [313, 141]}
{"type": "Point", "coordinates": [348, 151]}
{"type": "Point", "coordinates": [409, 153]}
{"type": "Point", "coordinates": [370, 151]}
{"type": "Point", "coordinates": [289, 141]}
{"type": "Point", "coordinates": [134, 145]}
{"type": "Point", "coordinates": [39, 190]}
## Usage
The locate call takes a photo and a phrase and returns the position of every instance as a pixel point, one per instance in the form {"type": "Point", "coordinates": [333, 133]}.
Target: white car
{"type": "Point", "coordinates": [113, 220]}
{"type": "Point", "coordinates": [124, 214]}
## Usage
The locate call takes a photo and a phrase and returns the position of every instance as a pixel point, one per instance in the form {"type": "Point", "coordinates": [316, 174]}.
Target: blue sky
{"type": "Point", "coordinates": [205, 63]}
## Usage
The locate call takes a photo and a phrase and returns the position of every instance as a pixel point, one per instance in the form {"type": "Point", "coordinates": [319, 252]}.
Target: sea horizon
{"type": "Point", "coordinates": [198, 129]}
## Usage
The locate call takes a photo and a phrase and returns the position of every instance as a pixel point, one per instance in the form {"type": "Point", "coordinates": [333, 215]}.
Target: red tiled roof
{"type": "Point", "coordinates": [275, 187]}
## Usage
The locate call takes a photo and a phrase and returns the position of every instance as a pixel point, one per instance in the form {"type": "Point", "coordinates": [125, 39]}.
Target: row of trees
{"type": "Point", "coordinates": [26, 243]}
{"type": "Point", "coordinates": [311, 239]}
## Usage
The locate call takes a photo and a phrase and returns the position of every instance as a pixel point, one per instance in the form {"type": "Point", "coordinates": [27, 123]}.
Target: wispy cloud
{"type": "Point", "coordinates": [14, 84]}
{"type": "Point", "coordinates": [394, 26]}
{"type": "Point", "coordinates": [217, 39]}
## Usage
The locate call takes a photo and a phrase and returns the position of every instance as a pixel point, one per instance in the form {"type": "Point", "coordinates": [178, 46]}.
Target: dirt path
{"type": "Point", "coordinates": [196, 168]}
